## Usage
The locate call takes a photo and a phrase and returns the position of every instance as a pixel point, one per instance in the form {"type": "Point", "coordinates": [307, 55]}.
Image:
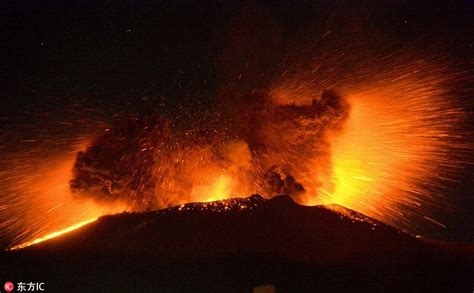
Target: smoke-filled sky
{"type": "Point", "coordinates": [72, 70]}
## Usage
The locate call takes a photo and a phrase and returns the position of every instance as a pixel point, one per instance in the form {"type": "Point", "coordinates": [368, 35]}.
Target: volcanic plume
{"type": "Point", "coordinates": [153, 162]}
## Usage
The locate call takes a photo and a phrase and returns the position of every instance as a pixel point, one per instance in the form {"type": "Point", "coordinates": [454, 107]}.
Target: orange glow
{"type": "Point", "coordinates": [41, 201]}
{"type": "Point", "coordinates": [221, 188]}
{"type": "Point", "coordinates": [402, 144]}
{"type": "Point", "coordinates": [52, 235]}
{"type": "Point", "coordinates": [394, 152]}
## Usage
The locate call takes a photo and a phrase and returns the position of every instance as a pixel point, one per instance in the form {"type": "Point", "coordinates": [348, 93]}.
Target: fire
{"type": "Point", "coordinates": [220, 189]}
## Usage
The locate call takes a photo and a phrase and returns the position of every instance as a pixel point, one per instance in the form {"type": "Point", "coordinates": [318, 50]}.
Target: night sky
{"type": "Point", "coordinates": [69, 68]}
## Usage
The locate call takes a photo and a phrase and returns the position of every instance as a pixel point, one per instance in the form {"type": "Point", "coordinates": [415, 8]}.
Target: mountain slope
{"type": "Point", "coordinates": [238, 244]}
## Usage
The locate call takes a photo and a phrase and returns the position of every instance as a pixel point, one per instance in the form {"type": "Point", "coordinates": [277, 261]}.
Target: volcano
{"type": "Point", "coordinates": [240, 244]}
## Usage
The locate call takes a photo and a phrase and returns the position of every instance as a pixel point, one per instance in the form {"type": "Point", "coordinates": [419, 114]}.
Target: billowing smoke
{"type": "Point", "coordinates": [271, 148]}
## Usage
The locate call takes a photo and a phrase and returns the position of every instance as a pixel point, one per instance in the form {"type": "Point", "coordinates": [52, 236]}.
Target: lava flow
{"type": "Point", "coordinates": [52, 235]}
{"type": "Point", "coordinates": [39, 197]}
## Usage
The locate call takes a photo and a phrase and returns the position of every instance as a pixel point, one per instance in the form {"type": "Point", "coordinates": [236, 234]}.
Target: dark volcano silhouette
{"type": "Point", "coordinates": [239, 244]}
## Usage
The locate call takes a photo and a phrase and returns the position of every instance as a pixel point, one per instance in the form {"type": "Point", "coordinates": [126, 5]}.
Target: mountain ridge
{"type": "Point", "coordinates": [253, 240]}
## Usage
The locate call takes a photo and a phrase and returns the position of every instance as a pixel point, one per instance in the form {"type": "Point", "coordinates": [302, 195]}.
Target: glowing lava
{"type": "Point", "coordinates": [221, 188]}
{"type": "Point", "coordinates": [52, 235]}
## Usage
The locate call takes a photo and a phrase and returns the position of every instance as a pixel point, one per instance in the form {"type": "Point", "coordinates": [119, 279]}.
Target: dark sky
{"type": "Point", "coordinates": [127, 45]}
{"type": "Point", "coordinates": [119, 56]}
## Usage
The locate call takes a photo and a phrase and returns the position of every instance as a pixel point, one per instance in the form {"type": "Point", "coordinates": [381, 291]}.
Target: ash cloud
{"type": "Point", "coordinates": [269, 148]}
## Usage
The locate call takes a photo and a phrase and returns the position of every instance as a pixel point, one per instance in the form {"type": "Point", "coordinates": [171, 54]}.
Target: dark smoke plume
{"type": "Point", "coordinates": [152, 162]}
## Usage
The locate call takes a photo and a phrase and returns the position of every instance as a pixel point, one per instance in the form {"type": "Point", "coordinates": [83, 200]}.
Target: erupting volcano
{"type": "Point", "coordinates": [313, 137]}
{"type": "Point", "coordinates": [383, 147]}
{"type": "Point", "coordinates": [385, 144]}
